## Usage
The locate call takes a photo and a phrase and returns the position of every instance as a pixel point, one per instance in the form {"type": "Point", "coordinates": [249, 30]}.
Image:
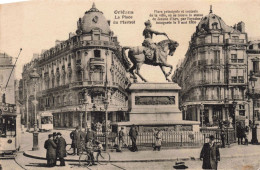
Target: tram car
{"type": "Point", "coordinates": [10, 130]}
{"type": "Point", "coordinates": [46, 121]}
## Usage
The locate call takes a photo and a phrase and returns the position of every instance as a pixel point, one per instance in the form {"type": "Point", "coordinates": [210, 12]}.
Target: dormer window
{"type": "Point", "coordinates": [97, 54]}
{"type": "Point", "coordinates": [250, 47]}
{"type": "Point", "coordinates": [215, 26]}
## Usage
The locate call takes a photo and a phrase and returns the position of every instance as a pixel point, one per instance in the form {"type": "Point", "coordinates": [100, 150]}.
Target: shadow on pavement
{"type": "Point", "coordinates": [37, 165]}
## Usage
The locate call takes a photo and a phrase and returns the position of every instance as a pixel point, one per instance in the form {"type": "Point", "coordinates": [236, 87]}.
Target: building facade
{"type": "Point", "coordinates": [78, 74]}
{"type": "Point", "coordinates": [7, 79]}
{"type": "Point", "coordinates": [253, 53]}
{"type": "Point", "coordinates": [213, 75]}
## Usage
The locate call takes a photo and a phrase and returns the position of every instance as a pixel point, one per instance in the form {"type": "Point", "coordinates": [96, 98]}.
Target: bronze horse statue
{"type": "Point", "coordinates": [138, 58]}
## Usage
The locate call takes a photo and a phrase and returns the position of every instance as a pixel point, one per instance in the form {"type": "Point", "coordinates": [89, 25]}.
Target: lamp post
{"type": "Point", "coordinates": [34, 77]}
{"type": "Point", "coordinates": [184, 107]}
{"type": "Point", "coordinates": [202, 113]}
{"type": "Point", "coordinates": [106, 103]}
{"type": "Point", "coordinates": [85, 104]}
{"type": "Point", "coordinates": [234, 117]}
{"type": "Point", "coordinates": [252, 80]}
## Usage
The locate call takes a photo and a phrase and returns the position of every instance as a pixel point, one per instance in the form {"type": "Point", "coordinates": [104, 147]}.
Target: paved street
{"type": "Point", "coordinates": [244, 163]}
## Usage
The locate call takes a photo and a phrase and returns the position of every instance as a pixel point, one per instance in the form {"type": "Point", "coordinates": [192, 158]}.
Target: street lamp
{"type": "Point", "coordinates": [202, 113]}
{"type": "Point", "coordinates": [184, 107]}
{"type": "Point", "coordinates": [252, 80]}
{"type": "Point", "coordinates": [85, 103]}
{"type": "Point", "coordinates": [34, 77]}
{"type": "Point", "coordinates": [234, 117]}
{"type": "Point", "coordinates": [106, 103]}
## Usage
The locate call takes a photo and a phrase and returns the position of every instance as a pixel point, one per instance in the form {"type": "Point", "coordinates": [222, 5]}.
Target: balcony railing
{"type": "Point", "coordinates": [235, 41]}
{"type": "Point", "coordinates": [237, 60]}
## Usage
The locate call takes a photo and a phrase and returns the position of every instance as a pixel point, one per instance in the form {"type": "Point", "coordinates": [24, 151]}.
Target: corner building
{"type": "Point", "coordinates": [213, 75]}
{"type": "Point", "coordinates": [73, 75]}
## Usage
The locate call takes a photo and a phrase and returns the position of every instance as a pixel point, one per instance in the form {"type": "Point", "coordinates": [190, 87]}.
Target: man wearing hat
{"type": "Point", "coordinates": [133, 133]}
{"type": "Point", "coordinates": [76, 140]}
{"type": "Point", "coordinates": [50, 146]}
{"type": "Point", "coordinates": [210, 154]}
{"type": "Point", "coordinates": [148, 42]}
{"type": "Point", "coordinates": [56, 142]}
{"type": "Point", "coordinates": [121, 138]}
{"type": "Point", "coordinates": [90, 135]}
{"type": "Point", "coordinates": [61, 149]}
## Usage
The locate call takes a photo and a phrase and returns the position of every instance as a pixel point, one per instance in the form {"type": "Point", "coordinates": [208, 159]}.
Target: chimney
{"type": "Point", "coordinates": [241, 27]}
{"type": "Point", "coordinates": [108, 21]}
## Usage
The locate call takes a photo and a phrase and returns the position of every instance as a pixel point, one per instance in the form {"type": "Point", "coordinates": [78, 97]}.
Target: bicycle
{"type": "Point", "coordinates": [102, 157]}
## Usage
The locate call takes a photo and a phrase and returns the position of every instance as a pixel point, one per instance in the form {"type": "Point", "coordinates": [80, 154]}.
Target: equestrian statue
{"type": "Point", "coordinates": [151, 53]}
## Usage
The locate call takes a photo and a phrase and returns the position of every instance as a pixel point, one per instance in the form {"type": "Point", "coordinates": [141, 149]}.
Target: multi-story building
{"type": "Point", "coordinates": [7, 85]}
{"type": "Point", "coordinates": [213, 75]}
{"type": "Point", "coordinates": [253, 53]}
{"type": "Point", "coordinates": [77, 73]}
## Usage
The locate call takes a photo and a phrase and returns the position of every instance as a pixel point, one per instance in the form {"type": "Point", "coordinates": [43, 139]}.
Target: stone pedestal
{"type": "Point", "coordinates": [156, 104]}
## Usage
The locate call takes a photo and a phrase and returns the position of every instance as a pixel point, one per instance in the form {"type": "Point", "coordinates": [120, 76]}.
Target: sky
{"type": "Point", "coordinates": [36, 25]}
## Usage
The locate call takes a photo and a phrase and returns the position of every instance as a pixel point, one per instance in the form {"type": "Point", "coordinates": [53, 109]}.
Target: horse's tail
{"type": "Point", "coordinates": [124, 55]}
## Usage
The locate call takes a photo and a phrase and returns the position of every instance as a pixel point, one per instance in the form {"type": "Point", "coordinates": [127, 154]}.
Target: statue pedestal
{"type": "Point", "coordinates": [156, 104]}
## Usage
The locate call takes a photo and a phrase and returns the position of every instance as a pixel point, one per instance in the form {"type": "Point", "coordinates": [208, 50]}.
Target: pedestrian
{"type": "Point", "coordinates": [55, 139]}
{"type": "Point", "coordinates": [61, 149]}
{"type": "Point", "coordinates": [121, 138]}
{"type": "Point", "coordinates": [90, 135]}
{"type": "Point", "coordinates": [223, 137]}
{"type": "Point", "coordinates": [90, 150]}
{"type": "Point", "coordinates": [133, 133]}
{"type": "Point", "coordinates": [210, 154]}
{"type": "Point", "coordinates": [158, 140]}
{"type": "Point", "coordinates": [76, 141]}
{"type": "Point", "coordinates": [50, 146]}
{"type": "Point", "coordinates": [239, 133]}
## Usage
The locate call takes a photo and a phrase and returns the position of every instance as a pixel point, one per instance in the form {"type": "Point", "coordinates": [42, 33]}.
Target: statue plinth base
{"type": "Point", "coordinates": [153, 104]}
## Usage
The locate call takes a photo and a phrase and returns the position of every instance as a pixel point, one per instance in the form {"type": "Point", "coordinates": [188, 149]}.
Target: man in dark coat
{"type": "Point", "coordinates": [210, 154]}
{"type": "Point", "coordinates": [61, 149]}
{"type": "Point", "coordinates": [90, 135]}
{"type": "Point", "coordinates": [76, 140]}
{"type": "Point", "coordinates": [55, 140]}
{"type": "Point", "coordinates": [133, 133]}
{"type": "Point", "coordinates": [51, 151]}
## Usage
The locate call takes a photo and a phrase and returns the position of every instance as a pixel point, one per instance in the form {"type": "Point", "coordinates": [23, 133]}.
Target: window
{"type": "Point", "coordinates": [259, 45]}
{"type": "Point", "coordinates": [234, 79]}
{"type": "Point", "coordinates": [250, 47]}
{"type": "Point", "coordinates": [97, 74]}
{"type": "Point", "coordinates": [216, 57]}
{"type": "Point", "coordinates": [256, 66]}
{"type": "Point", "coordinates": [240, 79]}
{"type": "Point", "coordinates": [241, 110]}
{"type": "Point", "coordinates": [233, 58]}
{"type": "Point", "coordinates": [97, 54]}
{"type": "Point", "coordinates": [215, 25]}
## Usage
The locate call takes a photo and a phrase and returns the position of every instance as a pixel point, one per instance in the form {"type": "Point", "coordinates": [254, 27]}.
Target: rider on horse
{"type": "Point", "coordinates": [148, 42]}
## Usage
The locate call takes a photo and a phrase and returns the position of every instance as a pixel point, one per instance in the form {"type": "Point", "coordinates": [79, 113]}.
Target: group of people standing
{"type": "Point", "coordinates": [56, 149]}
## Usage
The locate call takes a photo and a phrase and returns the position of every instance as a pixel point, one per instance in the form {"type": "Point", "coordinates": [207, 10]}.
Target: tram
{"type": "Point", "coordinates": [10, 130]}
{"type": "Point", "coordinates": [46, 121]}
